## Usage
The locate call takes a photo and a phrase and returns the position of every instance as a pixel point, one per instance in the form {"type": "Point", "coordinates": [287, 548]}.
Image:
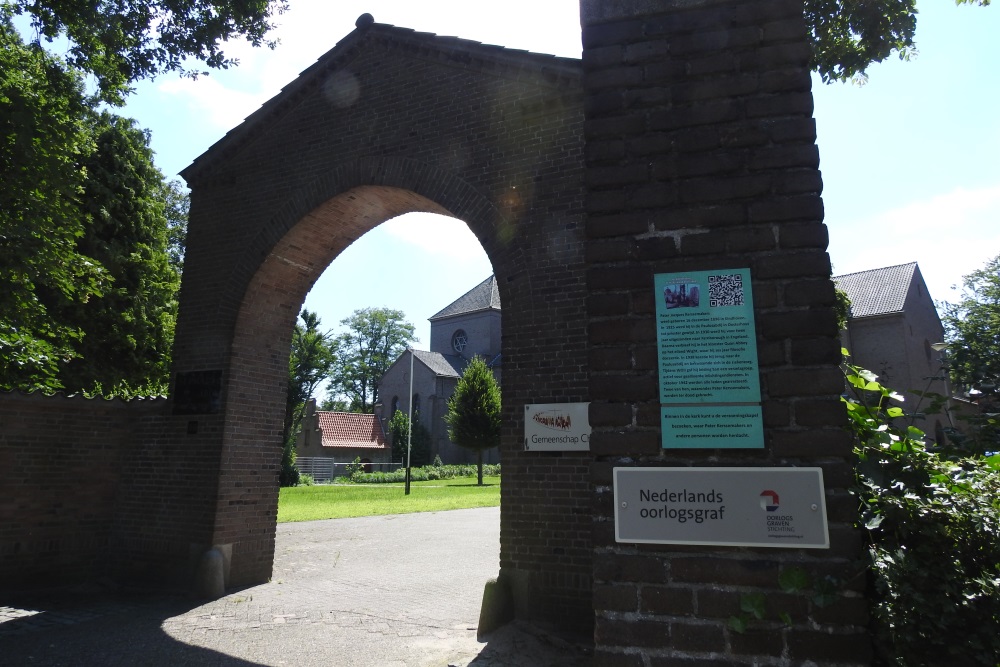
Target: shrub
{"type": "Point", "coordinates": [424, 474]}
{"type": "Point", "coordinates": [306, 480]}
{"type": "Point", "coordinates": [932, 517]}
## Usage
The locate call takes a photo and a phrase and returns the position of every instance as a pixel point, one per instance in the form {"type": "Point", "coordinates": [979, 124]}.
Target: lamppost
{"type": "Point", "coordinates": [409, 424]}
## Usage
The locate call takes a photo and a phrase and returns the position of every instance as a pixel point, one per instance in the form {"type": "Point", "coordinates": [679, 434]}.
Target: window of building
{"type": "Point", "coordinates": [459, 340]}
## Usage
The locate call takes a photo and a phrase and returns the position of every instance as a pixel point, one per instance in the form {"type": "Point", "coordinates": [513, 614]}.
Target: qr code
{"type": "Point", "coordinates": [725, 290]}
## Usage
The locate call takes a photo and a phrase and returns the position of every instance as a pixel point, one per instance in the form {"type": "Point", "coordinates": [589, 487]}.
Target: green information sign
{"type": "Point", "coordinates": [707, 349]}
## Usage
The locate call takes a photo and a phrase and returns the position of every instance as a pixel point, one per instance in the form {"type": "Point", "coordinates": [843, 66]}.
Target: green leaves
{"type": "Point", "coordinates": [120, 43]}
{"type": "Point", "coordinates": [932, 516]}
{"type": "Point", "coordinates": [473, 416]}
{"type": "Point", "coordinates": [374, 339]}
{"type": "Point", "coordinates": [849, 35]}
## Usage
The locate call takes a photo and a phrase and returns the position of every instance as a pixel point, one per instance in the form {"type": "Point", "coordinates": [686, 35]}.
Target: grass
{"type": "Point", "coordinates": [341, 501]}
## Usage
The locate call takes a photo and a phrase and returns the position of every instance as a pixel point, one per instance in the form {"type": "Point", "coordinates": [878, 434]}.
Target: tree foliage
{"type": "Point", "coordinates": [127, 329]}
{"type": "Point", "coordinates": [375, 337]}
{"type": "Point", "coordinates": [89, 295]}
{"type": "Point", "coordinates": [44, 139]}
{"type": "Point", "coordinates": [309, 364]}
{"type": "Point", "coordinates": [178, 205]}
{"type": "Point", "coordinates": [420, 444]}
{"type": "Point", "coordinates": [120, 42]}
{"type": "Point", "coordinates": [972, 330]}
{"type": "Point", "coordinates": [932, 517]}
{"type": "Point", "coordinates": [473, 416]}
{"type": "Point", "coordinates": [849, 35]}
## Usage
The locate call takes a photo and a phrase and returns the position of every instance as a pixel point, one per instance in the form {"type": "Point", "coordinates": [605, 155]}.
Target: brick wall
{"type": "Point", "coordinates": [62, 461]}
{"type": "Point", "coordinates": [700, 154]}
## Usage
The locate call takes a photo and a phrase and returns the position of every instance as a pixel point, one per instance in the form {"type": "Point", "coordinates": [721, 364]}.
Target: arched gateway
{"type": "Point", "coordinates": [676, 165]}
{"type": "Point", "coordinates": [388, 122]}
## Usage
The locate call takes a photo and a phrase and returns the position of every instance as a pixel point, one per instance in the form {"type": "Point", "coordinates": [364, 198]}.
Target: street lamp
{"type": "Point", "coordinates": [409, 426]}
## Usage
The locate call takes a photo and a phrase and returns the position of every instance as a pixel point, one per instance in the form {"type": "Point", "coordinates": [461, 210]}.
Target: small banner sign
{"type": "Point", "coordinates": [557, 427]}
{"type": "Point", "coordinates": [739, 507]}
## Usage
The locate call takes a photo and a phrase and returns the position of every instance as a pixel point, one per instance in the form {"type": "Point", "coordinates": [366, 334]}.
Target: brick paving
{"type": "Point", "coordinates": [395, 591]}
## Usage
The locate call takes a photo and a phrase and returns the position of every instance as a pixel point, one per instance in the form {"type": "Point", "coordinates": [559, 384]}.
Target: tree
{"type": "Point", "coordinates": [44, 139]}
{"type": "Point", "coordinates": [178, 203]}
{"type": "Point", "coordinates": [375, 337]}
{"type": "Point", "coordinates": [89, 295]}
{"type": "Point", "coordinates": [124, 41]}
{"type": "Point", "coordinates": [420, 444]}
{"type": "Point", "coordinates": [972, 330]}
{"type": "Point", "coordinates": [474, 411]}
{"type": "Point", "coordinates": [309, 364]}
{"type": "Point", "coordinates": [849, 35]}
{"type": "Point", "coordinates": [128, 328]}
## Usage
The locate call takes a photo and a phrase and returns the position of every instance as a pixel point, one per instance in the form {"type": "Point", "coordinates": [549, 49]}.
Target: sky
{"type": "Point", "coordinates": [909, 160]}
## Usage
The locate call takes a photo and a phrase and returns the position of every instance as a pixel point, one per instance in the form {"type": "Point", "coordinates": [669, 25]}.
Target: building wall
{"type": "Point", "coordinates": [482, 329]}
{"type": "Point", "coordinates": [897, 347]}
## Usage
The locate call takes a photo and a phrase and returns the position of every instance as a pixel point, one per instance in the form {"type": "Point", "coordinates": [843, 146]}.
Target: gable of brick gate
{"type": "Point", "coordinates": [388, 122]}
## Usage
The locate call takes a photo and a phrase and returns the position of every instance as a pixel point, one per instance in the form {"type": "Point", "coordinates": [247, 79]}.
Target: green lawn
{"type": "Point", "coordinates": [339, 501]}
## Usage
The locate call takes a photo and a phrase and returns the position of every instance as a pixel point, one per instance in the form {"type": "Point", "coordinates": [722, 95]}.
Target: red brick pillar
{"type": "Point", "coordinates": [700, 154]}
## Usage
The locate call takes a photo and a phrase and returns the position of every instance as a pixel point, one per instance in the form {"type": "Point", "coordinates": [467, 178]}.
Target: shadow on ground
{"type": "Point", "coordinates": [84, 628]}
{"type": "Point", "coordinates": [74, 628]}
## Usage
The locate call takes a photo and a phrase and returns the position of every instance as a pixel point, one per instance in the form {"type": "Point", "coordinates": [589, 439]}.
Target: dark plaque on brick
{"type": "Point", "coordinates": [198, 393]}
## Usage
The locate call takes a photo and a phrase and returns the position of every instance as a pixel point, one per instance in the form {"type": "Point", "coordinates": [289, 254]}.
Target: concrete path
{"type": "Point", "coordinates": [391, 591]}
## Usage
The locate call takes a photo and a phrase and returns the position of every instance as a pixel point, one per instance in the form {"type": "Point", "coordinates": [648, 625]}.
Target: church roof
{"type": "Point", "coordinates": [878, 291]}
{"type": "Point", "coordinates": [449, 52]}
{"type": "Point", "coordinates": [450, 365]}
{"type": "Point", "coordinates": [484, 296]}
{"type": "Point", "coordinates": [350, 429]}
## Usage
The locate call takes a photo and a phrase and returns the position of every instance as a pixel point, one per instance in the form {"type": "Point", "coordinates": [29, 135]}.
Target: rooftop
{"type": "Point", "coordinates": [878, 291]}
{"type": "Point", "coordinates": [351, 429]}
{"type": "Point", "coordinates": [484, 296]}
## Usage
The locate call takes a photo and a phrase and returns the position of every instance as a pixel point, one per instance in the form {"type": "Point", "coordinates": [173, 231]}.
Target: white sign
{"type": "Point", "coordinates": [557, 427]}
{"type": "Point", "coordinates": [740, 507]}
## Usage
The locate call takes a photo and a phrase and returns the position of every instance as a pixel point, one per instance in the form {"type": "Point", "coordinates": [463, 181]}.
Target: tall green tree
{"type": "Point", "coordinates": [178, 205]}
{"type": "Point", "coordinates": [128, 329]}
{"type": "Point", "coordinates": [90, 295]}
{"type": "Point", "coordinates": [972, 330]}
{"type": "Point", "coordinates": [309, 363]}
{"type": "Point", "coordinates": [45, 138]}
{"type": "Point", "coordinates": [474, 411]}
{"type": "Point", "coordinates": [120, 42]}
{"type": "Point", "coordinates": [374, 338]}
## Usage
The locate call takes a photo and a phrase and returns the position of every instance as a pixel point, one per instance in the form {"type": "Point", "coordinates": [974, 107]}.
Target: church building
{"type": "Point", "coordinates": [468, 327]}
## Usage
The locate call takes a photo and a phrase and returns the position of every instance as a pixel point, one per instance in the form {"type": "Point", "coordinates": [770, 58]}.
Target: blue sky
{"type": "Point", "coordinates": [909, 160]}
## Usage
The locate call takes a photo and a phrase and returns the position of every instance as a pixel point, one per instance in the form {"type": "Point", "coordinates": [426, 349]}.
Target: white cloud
{"type": "Point", "coordinates": [209, 100]}
{"type": "Point", "coordinates": [949, 235]}
{"type": "Point", "coordinates": [448, 238]}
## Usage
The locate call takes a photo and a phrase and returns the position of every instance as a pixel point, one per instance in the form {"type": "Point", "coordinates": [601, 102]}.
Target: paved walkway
{"type": "Point", "coordinates": [391, 591]}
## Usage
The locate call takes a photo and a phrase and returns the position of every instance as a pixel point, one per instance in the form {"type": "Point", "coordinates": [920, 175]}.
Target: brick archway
{"type": "Point", "coordinates": [388, 122]}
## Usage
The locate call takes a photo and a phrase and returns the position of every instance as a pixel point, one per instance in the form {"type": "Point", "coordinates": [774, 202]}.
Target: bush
{"type": "Point", "coordinates": [355, 469]}
{"type": "Point", "coordinates": [427, 473]}
{"type": "Point", "coordinates": [306, 480]}
{"type": "Point", "coordinates": [933, 523]}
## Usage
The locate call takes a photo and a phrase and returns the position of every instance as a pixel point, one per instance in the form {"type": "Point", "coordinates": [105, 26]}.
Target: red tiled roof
{"type": "Point", "coordinates": [350, 429]}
